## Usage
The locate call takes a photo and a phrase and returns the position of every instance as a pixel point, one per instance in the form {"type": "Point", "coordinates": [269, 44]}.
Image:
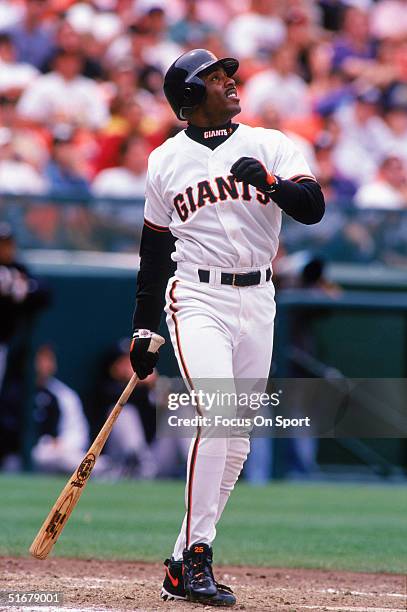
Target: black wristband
{"type": "Point", "coordinates": [274, 187]}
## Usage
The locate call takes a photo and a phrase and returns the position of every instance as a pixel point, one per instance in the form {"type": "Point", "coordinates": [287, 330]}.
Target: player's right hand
{"type": "Point", "coordinates": [253, 172]}
{"type": "Point", "coordinates": [142, 360]}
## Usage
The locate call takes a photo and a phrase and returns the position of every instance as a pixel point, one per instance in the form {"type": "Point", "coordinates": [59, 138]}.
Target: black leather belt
{"type": "Point", "coordinates": [236, 280]}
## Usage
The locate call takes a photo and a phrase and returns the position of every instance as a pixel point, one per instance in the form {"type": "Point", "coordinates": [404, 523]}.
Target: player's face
{"type": "Point", "coordinates": [221, 102]}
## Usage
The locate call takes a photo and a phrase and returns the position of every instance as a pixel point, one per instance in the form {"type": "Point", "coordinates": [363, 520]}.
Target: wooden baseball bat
{"type": "Point", "coordinates": [56, 520]}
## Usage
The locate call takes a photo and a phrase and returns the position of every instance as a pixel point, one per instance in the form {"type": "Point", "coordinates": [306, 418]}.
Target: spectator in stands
{"type": "Point", "coordinates": [65, 169]}
{"type": "Point", "coordinates": [28, 145]}
{"type": "Point", "coordinates": [190, 29]}
{"type": "Point", "coordinates": [64, 96]}
{"type": "Point", "coordinates": [301, 29]}
{"type": "Point", "coordinates": [128, 179]}
{"type": "Point", "coordinates": [389, 19]}
{"type": "Point", "coordinates": [335, 186]}
{"type": "Point", "coordinates": [354, 49]}
{"type": "Point", "coordinates": [134, 76]}
{"type": "Point", "coordinates": [256, 32]}
{"type": "Point", "coordinates": [145, 43]}
{"type": "Point", "coordinates": [14, 75]}
{"type": "Point", "coordinates": [68, 39]}
{"type": "Point", "coordinates": [127, 118]}
{"type": "Point", "coordinates": [270, 118]}
{"type": "Point", "coordinates": [360, 136]}
{"type": "Point", "coordinates": [61, 426]}
{"type": "Point", "coordinates": [388, 190]}
{"type": "Point", "coordinates": [161, 51]}
{"type": "Point", "coordinates": [395, 116]}
{"type": "Point", "coordinates": [326, 87]}
{"type": "Point", "coordinates": [132, 84]}
{"type": "Point", "coordinates": [11, 13]}
{"type": "Point", "coordinates": [124, 81]}
{"type": "Point", "coordinates": [17, 176]}
{"type": "Point", "coordinates": [96, 22]}
{"type": "Point", "coordinates": [386, 68]}
{"type": "Point", "coordinates": [33, 37]}
{"type": "Point", "coordinates": [8, 115]}
{"type": "Point", "coordinates": [130, 46]}
{"type": "Point", "coordinates": [281, 85]}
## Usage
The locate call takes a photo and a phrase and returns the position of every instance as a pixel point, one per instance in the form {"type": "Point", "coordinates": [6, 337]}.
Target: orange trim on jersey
{"type": "Point", "coordinates": [194, 453]}
{"type": "Point", "coordinates": [156, 228]}
{"type": "Point", "coordinates": [301, 177]}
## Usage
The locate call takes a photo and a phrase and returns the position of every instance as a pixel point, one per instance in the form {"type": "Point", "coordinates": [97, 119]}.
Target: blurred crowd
{"type": "Point", "coordinates": [81, 102]}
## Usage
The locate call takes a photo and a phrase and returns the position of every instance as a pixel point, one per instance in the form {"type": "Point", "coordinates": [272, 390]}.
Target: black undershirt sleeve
{"type": "Point", "coordinates": [156, 267]}
{"type": "Point", "coordinates": [304, 200]}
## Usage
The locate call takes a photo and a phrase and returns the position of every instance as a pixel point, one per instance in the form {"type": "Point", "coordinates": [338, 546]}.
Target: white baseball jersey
{"type": "Point", "coordinates": [217, 220]}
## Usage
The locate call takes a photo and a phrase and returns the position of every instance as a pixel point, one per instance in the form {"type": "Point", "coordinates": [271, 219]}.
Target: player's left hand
{"type": "Point", "coordinates": [253, 172]}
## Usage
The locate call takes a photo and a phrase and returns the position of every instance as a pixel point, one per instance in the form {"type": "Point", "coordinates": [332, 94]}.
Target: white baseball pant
{"type": "Point", "coordinates": [218, 332]}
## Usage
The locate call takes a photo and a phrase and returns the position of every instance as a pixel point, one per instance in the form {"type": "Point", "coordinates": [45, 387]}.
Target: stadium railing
{"type": "Point", "coordinates": [347, 234]}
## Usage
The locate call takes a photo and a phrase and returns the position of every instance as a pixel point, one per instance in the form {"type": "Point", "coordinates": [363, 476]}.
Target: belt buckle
{"type": "Point", "coordinates": [234, 280]}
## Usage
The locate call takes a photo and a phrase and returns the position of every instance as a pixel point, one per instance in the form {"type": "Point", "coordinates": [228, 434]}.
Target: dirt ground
{"type": "Point", "coordinates": [115, 586]}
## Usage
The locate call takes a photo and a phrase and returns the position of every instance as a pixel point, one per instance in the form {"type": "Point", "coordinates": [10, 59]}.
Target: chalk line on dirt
{"type": "Point", "coordinates": [347, 608]}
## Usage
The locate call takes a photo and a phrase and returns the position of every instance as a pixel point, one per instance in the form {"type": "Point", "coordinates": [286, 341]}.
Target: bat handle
{"type": "Point", "coordinates": [155, 343]}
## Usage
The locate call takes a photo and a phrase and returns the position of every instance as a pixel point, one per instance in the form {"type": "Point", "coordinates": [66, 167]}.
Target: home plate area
{"type": "Point", "coordinates": [116, 585]}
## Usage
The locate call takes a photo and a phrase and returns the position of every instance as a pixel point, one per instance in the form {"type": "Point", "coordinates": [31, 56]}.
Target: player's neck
{"type": "Point", "coordinates": [210, 136]}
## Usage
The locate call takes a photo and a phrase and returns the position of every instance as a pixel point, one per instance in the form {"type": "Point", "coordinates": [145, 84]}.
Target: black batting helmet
{"type": "Point", "coordinates": [182, 86]}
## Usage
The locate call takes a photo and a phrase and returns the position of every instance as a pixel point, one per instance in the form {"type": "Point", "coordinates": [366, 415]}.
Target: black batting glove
{"type": "Point", "coordinates": [142, 360]}
{"type": "Point", "coordinates": [252, 171]}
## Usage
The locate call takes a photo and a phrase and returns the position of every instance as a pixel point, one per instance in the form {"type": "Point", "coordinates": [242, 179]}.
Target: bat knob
{"type": "Point", "coordinates": [155, 343]}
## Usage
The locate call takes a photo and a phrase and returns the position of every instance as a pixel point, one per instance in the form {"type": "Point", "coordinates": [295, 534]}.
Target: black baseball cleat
{"type": "Point", "coordinates": [199, 582]}
{"type": "Point", "coordinates": [173, 587]}
{"type": "Point", "coordinates": [198, 576]}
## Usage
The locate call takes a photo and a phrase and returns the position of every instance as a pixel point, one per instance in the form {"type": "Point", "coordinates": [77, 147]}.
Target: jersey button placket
{"type": "Point", "coordinates": [224, 210]}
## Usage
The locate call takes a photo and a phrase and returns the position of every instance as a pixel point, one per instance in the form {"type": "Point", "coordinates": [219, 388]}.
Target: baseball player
{"type": "Point", "coordinates": [214, 197]}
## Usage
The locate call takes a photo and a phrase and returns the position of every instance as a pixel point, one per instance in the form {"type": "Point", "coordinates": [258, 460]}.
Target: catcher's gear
{"type": "Point", "coordinates": [142, 360]}
{"type": "Point", "coordinates": [182, 86]}
{"type": "Point", "coordinates": [253, 172]}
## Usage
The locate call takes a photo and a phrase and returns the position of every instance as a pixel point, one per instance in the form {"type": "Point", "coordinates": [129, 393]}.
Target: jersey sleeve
{"type": "Point", "coordinates": [290, 163]}
{"type": "Point", "coordinates": [157, 214]}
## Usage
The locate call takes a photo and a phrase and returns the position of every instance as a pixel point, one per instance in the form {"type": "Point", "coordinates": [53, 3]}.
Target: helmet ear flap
{"type": "Point", "coordinates": [194, 92]}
